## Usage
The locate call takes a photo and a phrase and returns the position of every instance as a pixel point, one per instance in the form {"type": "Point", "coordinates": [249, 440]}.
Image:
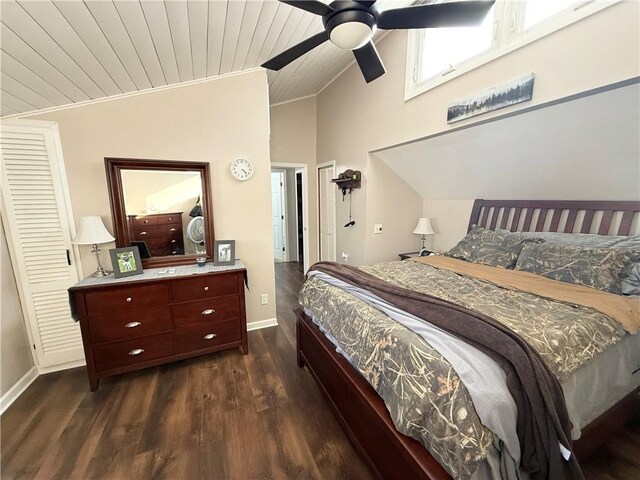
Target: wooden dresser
{"type": "Point", "coordinates": [162, 232]}
{"type": "Point", "coordinates": [138, 322]}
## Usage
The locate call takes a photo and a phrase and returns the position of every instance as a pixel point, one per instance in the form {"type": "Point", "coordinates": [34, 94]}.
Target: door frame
{"type": "Point", "coordinates": [305, 205]}
{"type": "Point", "coordinates": [319, 166]}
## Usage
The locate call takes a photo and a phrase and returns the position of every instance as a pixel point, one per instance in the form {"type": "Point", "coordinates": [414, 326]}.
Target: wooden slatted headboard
{"type": "Point", "coordinates": [580, 216]}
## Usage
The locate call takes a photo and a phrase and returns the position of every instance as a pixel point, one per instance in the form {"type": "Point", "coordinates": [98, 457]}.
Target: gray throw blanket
{"type": "Point", "coordinates": [543, 421]}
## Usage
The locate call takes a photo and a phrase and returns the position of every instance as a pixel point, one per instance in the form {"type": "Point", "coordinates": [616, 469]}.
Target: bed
{"type": "Point", "coordinates": [361, 411]}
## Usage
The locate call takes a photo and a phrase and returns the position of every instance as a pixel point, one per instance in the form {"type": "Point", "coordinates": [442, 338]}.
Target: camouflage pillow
{"type": "Point", "coordinates": [498, 248]}
{"type": "Point", "coordinates": [599, 268]}
{"type": "Point", "coordinates": [587, 240]}
{"type": "Point", "coordinates": [630, 283]}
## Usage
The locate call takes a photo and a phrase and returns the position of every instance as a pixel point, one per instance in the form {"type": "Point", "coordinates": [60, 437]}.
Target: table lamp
{"type": "Point", "coordinates": [92, 232]}
{"type": "Point", "coordinates": [424, 228]}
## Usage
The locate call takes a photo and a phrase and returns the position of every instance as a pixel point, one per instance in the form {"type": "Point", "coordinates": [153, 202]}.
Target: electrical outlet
{"type": "Point", "coordinates": [377, 228]}
{"type": "Point", "coordinates": [264, 298]}
{"type": "Point", "coordinates": [345, 256]}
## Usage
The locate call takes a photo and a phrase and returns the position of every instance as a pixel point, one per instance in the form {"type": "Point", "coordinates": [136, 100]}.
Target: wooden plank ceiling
{"type": "Point", "coordinates": [59, 52]}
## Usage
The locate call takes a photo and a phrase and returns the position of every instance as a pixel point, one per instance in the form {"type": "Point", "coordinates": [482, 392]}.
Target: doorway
{"type": "Point", "coordinates": [299, 216]}
{"type": "Point", "coordinates": [289, 201]}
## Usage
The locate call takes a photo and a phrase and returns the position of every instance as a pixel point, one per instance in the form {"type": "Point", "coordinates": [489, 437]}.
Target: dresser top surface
{"type": "Point", "coordinates": [155, 274]}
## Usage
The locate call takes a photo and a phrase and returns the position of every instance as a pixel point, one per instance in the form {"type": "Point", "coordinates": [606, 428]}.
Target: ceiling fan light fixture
{"type": "Point", "coordinates": [351, 35]}
{"type": "Point", "coordinates": [350, 29]}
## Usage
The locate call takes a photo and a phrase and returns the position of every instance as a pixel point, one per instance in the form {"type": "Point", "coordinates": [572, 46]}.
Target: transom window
{"type": "Point", "coordinates": [439, 54]}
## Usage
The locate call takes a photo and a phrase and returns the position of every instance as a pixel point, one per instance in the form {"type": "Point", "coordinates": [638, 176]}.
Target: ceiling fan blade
{"type": "Point", "coordinates": [366, 3]}
{"type": "Point", "coordinates": [289, 55]}
{"type": "Point", "coordinates": [312, 6]}
{"type": "Point", "coordinates": [369, 62]}
{"type": "Point", "coordinates": [451, 14]}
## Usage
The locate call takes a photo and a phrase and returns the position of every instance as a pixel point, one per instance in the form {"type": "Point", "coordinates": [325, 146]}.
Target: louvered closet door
{"type": "Point", "coordinates": [38, 229]}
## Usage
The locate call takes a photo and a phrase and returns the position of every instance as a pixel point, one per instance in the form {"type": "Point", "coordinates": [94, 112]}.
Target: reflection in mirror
{"type": "Point", "coordinates": [162, 207]}
{"type": "Point", "coordinates": [164, 212]}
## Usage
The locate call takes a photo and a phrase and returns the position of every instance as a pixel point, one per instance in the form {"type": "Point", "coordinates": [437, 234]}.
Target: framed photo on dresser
{"type": "Point", "coordinates": [126, 261]}
{"type": "Point", "coordinates": [224, 252]}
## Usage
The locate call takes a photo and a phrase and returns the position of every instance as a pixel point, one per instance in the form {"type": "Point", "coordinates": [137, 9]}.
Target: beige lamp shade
{"type": "Point", "coordinates": [92, 231]}
{"type": "Point", "coordinates": [424, 227]}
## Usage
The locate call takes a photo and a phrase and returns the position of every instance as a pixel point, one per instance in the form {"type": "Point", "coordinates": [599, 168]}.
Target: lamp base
{"type": "Point", "coordinates": [101, 272]}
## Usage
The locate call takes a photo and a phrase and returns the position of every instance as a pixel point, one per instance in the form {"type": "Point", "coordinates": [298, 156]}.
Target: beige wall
{"type": "Point", "coordinates": [293, 140]}
{"type": "Point", "coordinates": [563, 151]}
{"type": "Point", "coordinates": [395, 205]}
{"type": "Point", "coordinates": [355, 118]}
{"type": "Point", "coordinates": [215, 121]}
{"type": "Point", "coordinates": [15, 352]}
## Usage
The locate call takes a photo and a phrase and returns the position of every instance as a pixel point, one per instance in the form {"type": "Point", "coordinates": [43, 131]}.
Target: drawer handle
{"type": "Point", "coordinates": [208, 311]}
{"type": "Point", "coordinates": [173, 241]}
{"type": "Point", "coordinates": [206, 288]}
{"type": "Point", "coordinates": [172, 229]}
{"type": "Point", "coordinates": [136, 351]}
{"type": "Point", "coordinates": [129, 299]}
{"type": "Point", "coordinates": [143, 233]}
{"type": "Point", "coordinates": [132, 324]}
{"type": "Point", "coordinates": [210, 336]}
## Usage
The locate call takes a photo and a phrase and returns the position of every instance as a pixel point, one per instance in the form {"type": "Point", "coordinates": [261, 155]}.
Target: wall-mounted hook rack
{"type": "Point", "coordinates": [348, 181]}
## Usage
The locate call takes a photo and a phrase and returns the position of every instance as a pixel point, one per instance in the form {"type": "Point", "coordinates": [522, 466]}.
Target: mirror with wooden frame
{"type": "Point", "coordinates": [163, 207]}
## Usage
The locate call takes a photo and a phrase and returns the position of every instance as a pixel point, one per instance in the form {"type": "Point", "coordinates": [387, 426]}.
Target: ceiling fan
{"type": "Point", "coordinates": [350, 24]}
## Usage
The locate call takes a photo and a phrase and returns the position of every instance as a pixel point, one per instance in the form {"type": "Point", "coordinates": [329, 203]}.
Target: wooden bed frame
{"type": "Point", "coordinates": [360, 410]}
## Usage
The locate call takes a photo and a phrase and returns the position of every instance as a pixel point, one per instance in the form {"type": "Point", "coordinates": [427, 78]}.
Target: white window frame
{"type": "Point", "coordinates": [507, 37]}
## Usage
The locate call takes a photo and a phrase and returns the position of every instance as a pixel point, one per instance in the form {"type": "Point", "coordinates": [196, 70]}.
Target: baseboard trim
{"type": "Point", "coordinates": [20, 386]}
{"type": "Point", "coordinates": [269, 322]}
{"type": "Point", "coordinates": [62, 366]}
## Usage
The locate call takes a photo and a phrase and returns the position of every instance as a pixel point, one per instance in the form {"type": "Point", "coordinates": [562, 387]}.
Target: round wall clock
{"type": "Point", "coordinates": [242, 169]}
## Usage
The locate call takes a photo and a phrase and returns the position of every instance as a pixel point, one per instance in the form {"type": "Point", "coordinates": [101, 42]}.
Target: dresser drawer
{"type": "Point", "coordinates": [157, 231]}
{"type": "Point", "coordinates": [143, 221]}
{"type": "Point", "coordinates": [174, 219]}
{"type": "Point", "coordinates": [146, 220]}
{"type": "Point", "coordinates": [164, 242]}
{"type": "Point", "coordinates": [207, 336]}
{"type": "Point", "coordinates": [125, 325]}
{"type": "Point", "coordinates": [131, 352]}
{"type": "Point", "coordinates": [209, 311]}
{"type": "Point", "coordinates": [126, 297]}
{"type": "Point", "coordinates": [205, 287]}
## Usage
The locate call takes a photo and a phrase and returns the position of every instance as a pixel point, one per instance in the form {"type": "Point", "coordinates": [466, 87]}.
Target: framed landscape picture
{"type": "Point", "coordinates": [126, 261]}
{"type": "Point", "coordinates": [495, 98]}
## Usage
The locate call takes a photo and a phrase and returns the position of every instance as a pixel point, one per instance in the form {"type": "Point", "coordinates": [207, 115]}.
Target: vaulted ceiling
{"type": "Point", "coordinates": [60, 52]}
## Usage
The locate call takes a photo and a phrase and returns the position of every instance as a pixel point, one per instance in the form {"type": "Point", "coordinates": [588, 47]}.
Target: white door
{"type": "Point", "coordinates": [327, 212]}
{"type": "Point", "coordinates": [37, 217]}
{"type": "Point", "coordinates": [278, 220]}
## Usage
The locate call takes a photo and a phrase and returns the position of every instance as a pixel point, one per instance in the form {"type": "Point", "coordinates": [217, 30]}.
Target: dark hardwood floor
{"type": "Point", "coordinates": [221, 416]}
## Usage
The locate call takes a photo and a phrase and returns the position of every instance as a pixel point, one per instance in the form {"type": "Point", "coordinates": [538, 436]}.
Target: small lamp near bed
{"type": "Point", "coordinates": [93, 232]}
{"type": "Point", "coordinates": [424, 228]}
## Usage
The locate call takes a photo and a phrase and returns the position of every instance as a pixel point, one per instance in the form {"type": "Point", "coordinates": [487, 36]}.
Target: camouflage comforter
{"type": "Point", "coordinates": [423, 393]}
